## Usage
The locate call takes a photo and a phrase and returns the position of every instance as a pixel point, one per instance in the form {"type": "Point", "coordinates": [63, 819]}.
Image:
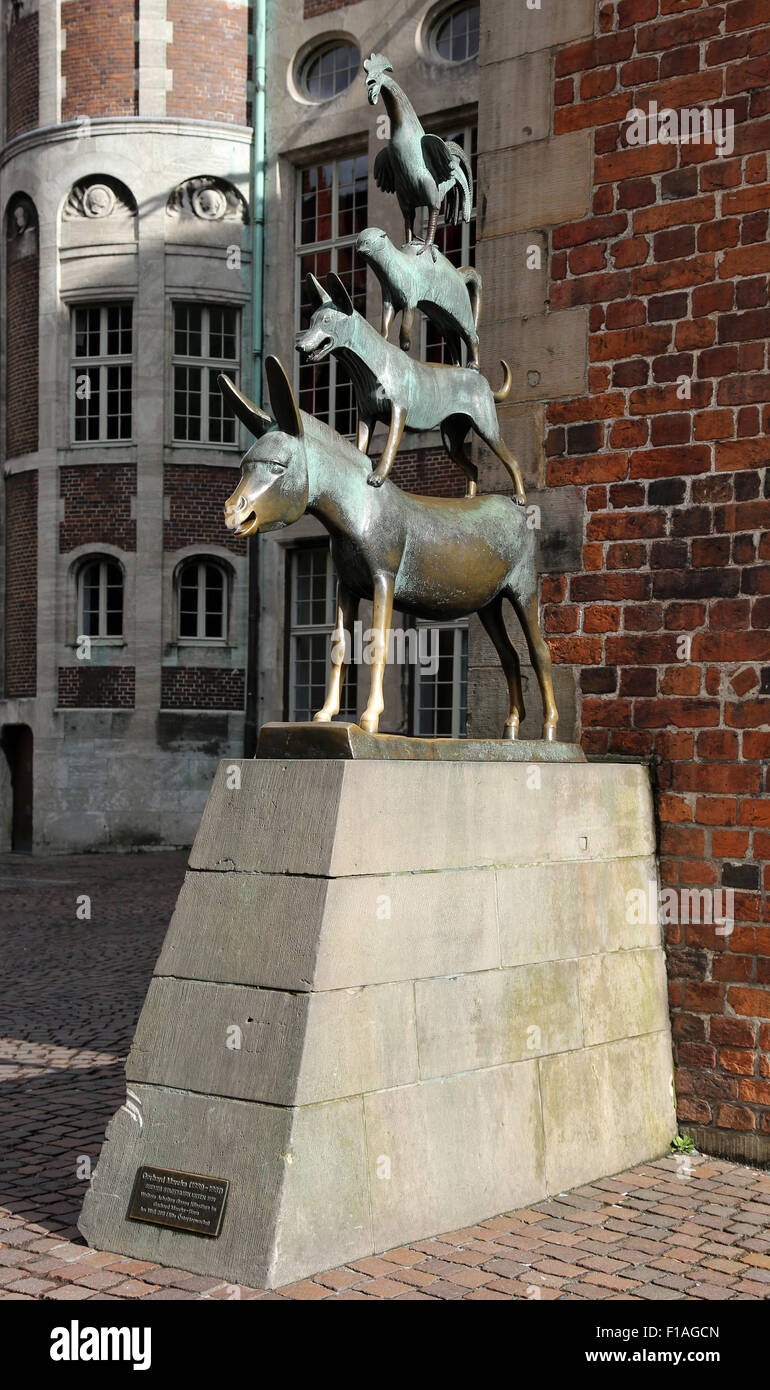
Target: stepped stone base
{"type": "Point", "coordinates": [395, 998]}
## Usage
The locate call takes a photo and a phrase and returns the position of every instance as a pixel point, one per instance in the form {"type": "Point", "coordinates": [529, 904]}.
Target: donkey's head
{"type": "Point", "coordinates": [334, 323]}
{"type": "Point", "coordinates": [273, 489]}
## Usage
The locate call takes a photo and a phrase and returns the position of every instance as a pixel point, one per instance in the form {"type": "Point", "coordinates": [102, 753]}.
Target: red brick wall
{"type": "Point", "coordinates": [209, 60]}
{"type": "Point", "coordinates": [99, 59]}
{"type": "Point", "coordinates": [21, 584]}
{"type": "Point", "coordinates": [202, 687]}
{"type": "Point", "coordinates": [97, 505]}
{"type": "Point", "coordinates": [22, 369]}
{"type": "Point", "coordinates": [667, 625]}
{"type": "Point", "coordinates": [96, 687]}
{"type": "Point", "coordinates": [197, 496]}
{"type": "Point", "coordinates": [22, 92]}
{"type": "Point", "coordinates": [429, 472]}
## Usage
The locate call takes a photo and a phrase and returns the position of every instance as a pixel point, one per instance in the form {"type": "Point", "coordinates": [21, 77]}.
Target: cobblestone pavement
{"type": "Point", "coordinates": [72, 989]}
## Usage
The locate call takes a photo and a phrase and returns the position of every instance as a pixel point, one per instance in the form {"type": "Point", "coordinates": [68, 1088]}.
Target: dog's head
{"type": "Point", "coordinates": [333, 323]}
{"type": "Point", "coordinates": [375, 67]}
{"type": "Point", "coordinates": [273, 487]}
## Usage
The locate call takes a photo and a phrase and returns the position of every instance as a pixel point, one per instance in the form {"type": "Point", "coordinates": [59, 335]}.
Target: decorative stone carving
{"type": "Point", "coordinates": [21, 228]}
{"type": "Point", "coordinates": [207, 198]}
{"type": "Point", "coordinates": [99, 196]}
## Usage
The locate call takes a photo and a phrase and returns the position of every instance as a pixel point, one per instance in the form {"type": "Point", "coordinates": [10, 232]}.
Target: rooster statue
{"type": "Point", "coordinates": [422, 170]}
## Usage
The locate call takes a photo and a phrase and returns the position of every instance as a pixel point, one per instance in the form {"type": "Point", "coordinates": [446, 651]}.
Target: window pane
{"type": "Point", "coordinates": [215, 595]}
{"type": "Point", "coordinates": [187, 403]}
{"type": "Point", "coordinates": [222, 333]}
{"type": "Point", "coordinates": [118, 330]}
{"type": "Point", "coordinates": [86, 403]}
{"type": "Point", "coordinates": [188, 600]}
{"type": "Point", "coordinates": [332, 71]}
{"type": "Point", "coordinates": [87, 331]}
{"type": "Point", "coordinates": [188, 339]}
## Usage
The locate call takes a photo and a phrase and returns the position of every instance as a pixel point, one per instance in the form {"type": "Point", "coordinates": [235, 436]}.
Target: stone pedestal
{"type": "Point", "coordinates": [395, 998]}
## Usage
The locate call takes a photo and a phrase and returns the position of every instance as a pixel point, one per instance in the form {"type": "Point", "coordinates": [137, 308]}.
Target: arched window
{"type": "Point", "coordinates": [329, 70]}
{"type": "Point", "coordinates": [203, 594]}
{"type": "Point", "coordinates": [455, 33]}
{"type": "Point", "coordinates": [100, 598]}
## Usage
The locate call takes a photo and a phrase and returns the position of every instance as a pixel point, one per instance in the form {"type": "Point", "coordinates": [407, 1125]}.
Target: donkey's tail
{"type": "Point", "coordinates": [506, 386]}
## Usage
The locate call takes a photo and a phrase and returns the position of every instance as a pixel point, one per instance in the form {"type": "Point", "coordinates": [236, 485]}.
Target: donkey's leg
{"type": "Point", "coordinates": [453, 437]}
{"type": "Point", "coordinates": [492, 618]}
{"type": "Point", "coordinates": [541, 661]}
{"type": "Point", "coordinates": [397, 422]}
{"type": "Point", "coordinates": [382, 613]}
{"type": "Point", "coordinates": [347, 610]}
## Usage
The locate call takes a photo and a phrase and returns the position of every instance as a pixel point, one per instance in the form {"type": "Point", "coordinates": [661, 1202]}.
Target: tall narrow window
{"type": "Point", "coordinates": [441, 696]}
{"type": "Point", "coordinates": [100, 599]}
{"type": "Point", "coordinates": [313, 610]}
{"type": "Point", "coordinates": [205, 344]}
{"type": "Point", "coordinates": [458, 244]}
{"type": "Point", "coordinates": [202, 601]}
{"type": "Point", "coordinates": [331, 211]}
{"type": "Point", "coordinates": [102, 348]}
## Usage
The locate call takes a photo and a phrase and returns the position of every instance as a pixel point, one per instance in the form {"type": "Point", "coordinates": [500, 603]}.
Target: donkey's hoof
{"type": "Point", "coordinates": [322, 717]}
{"type": "Point", "coordinates": [549, 732]}
{"type": "Point", "coordinates": [370, 723]}
{"type": "Point", "coordinates": [511, 729]}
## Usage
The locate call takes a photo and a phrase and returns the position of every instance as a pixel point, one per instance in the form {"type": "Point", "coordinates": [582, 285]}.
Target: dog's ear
{"type": "Point", "coordinates": [257, 421]}
{"type": "Point", "coordinates": [316, 290]}
{"type": "Point", "coordinates": [282, 399]}
{"type": "Point", "coordinates": [339, 295]}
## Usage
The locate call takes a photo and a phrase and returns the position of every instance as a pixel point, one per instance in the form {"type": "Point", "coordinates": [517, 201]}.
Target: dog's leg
{"type": "Point", "coordinates": [500, 448]}
{"type": "Point", "coordinates": [492, 618]}
{"type": "Point", "coordinates": [454, 443]}
{"type": "Point", "coordinates": [363, 434]}
{"type": "Point", "coordinates": [405, 331]}
{"type": "Point", "coordinates": [541, 661]}
{"type": "Point", "coordinates": [388, 315]}
{"type": "Point", "coordinates": [397, 422]}
{"type": "Point", "coordinates": [382, 613]}
{"type": "Point", "coordinates": [347, 609]}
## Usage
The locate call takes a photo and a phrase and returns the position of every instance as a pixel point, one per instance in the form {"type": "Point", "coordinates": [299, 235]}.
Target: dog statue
{"type": "Point", "coordinates": [449, 297]}
{"type": "Point", "coordinates": [438, 558]}
{"type": "Point", "coordinates": [404, 393]}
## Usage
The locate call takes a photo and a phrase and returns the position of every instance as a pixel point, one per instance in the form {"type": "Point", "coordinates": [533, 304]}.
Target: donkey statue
{"type": "Point", "coordinates": [432, 557]}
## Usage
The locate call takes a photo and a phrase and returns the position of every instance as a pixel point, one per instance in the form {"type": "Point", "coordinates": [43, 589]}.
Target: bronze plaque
{"type": "Point", "coordinates": [184, 1201]}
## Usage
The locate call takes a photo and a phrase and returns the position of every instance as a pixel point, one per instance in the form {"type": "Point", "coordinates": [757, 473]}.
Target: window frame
{"type": "Point", "coordinates": [293, 630]}
{"type": "Point", "coordinates": [460, 628]}
{"type": "Point", "coordinates": [314, 55]}
{"type": "Point", "coordinates": [206, 363]}
{"type": "Point", "coordinates": [333, 245]}
{"type": "Point", "coordinates": [202, 561]}
{"type": "Point", "coordinates": [102, 362]}
{"type": "Point", "coordinates": [444, 15]}
{"type": "Point", "coordinates": [102, 638]}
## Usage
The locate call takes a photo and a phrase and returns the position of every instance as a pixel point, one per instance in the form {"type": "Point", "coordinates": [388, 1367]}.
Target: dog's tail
{"type": "Point", "coordinates": [506, 386]}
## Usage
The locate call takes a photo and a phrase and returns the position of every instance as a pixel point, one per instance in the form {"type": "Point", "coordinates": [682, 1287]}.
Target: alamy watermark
{"type": "Point", "coordinates": [690, 125]}
{"type": "Point", "coordinates": [417, 646]}
{"type": "Point", "coordinates": [710, 905]}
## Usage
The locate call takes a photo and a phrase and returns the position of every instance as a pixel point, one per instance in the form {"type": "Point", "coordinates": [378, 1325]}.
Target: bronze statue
{"type": "Point", "coordinates": [422, 170]}
{"type": "Point", "coordinates": [404, 393]}
{"type": "Point", "coordinates": [449, 297]}
{"type": "Point", "coordinates": [434, 557]}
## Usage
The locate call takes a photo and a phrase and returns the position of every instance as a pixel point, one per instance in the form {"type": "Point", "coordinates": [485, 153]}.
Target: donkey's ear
{"type": "Point", "coordinates": [282, 399]}
{"type": "Point", "coordinates": [257, 421]}
{"type": "Point", "coordinates": [316, 290]}
{"type": "Point", "coordinates": [339, 295]}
